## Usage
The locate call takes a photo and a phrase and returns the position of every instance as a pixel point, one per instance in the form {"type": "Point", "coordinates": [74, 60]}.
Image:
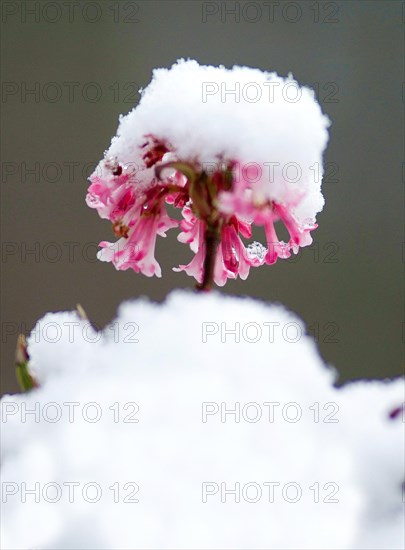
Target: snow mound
{"type": "Point", "coordinates": [204, 422]}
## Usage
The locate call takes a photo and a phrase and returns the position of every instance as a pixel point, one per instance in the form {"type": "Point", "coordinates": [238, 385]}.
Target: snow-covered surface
{"type": "Point", "coordinates": [343, 447]}
{"type": "Point", "coordinates": [270, 125]}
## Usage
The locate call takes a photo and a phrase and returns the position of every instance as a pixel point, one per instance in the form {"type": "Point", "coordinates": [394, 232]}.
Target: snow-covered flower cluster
{"type": "Point", "coordinates": [243, 443]}
{"type": "Point", "coordinates": [230, 148]}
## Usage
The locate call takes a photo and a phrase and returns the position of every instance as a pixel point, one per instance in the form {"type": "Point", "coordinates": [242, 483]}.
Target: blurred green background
{"type": "Point", "coordinates": [84, 62]}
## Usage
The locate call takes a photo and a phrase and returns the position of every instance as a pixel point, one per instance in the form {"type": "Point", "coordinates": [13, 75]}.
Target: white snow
{"type": "Point", "coordinates": [169, 360]}
{"type": "Point", "coordinates": [270, 125]}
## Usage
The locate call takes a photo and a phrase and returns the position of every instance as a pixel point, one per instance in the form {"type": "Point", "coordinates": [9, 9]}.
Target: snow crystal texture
{"type": "Point", "coordinates": [149, 454]}
{"type": "Point", "coordinates": [273, 127]}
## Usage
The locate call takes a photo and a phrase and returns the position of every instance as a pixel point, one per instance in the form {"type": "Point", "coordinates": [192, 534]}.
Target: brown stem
{"type": "Point", "coordinates": [211, 244]}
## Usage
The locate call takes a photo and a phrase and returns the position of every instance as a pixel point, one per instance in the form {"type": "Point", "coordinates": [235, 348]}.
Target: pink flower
{"type": "Point", "coordinates": [232, 258]}
{"type": "Point", "coordinates": [249, 202]}
{"type": "Point", "coordinates": [218, 204]}
{"type": "Point", "coordinates": [228, 166]}
{"type": "Point", "coordinates": [136, 250]}
{"type": "Point", "coordinates": [196, 241]}
{"type": "Point", "coordinates": [111, 197]}
{"type": "Point", "coordinates": [299, 234]}
{"type": "Point", "coordinates": [276, 248]}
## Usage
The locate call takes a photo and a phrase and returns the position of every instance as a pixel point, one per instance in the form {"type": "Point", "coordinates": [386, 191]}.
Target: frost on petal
{"type": "Point", "coordinates": [299, 234]}
{"type": "Point", "coordinates": [256, 253]}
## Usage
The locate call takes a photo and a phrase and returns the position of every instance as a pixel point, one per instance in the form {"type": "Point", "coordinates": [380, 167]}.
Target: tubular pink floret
{"type": "Point", "coordinates": [201, 162]}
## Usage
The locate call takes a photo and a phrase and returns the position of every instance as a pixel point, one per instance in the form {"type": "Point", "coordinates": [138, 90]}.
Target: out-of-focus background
{"type": "Point", "coordinates": [70, 68]}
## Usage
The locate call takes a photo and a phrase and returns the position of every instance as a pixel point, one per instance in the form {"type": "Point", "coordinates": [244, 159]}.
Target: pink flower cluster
{"type": "Point", "coordinates": [216, 204]}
